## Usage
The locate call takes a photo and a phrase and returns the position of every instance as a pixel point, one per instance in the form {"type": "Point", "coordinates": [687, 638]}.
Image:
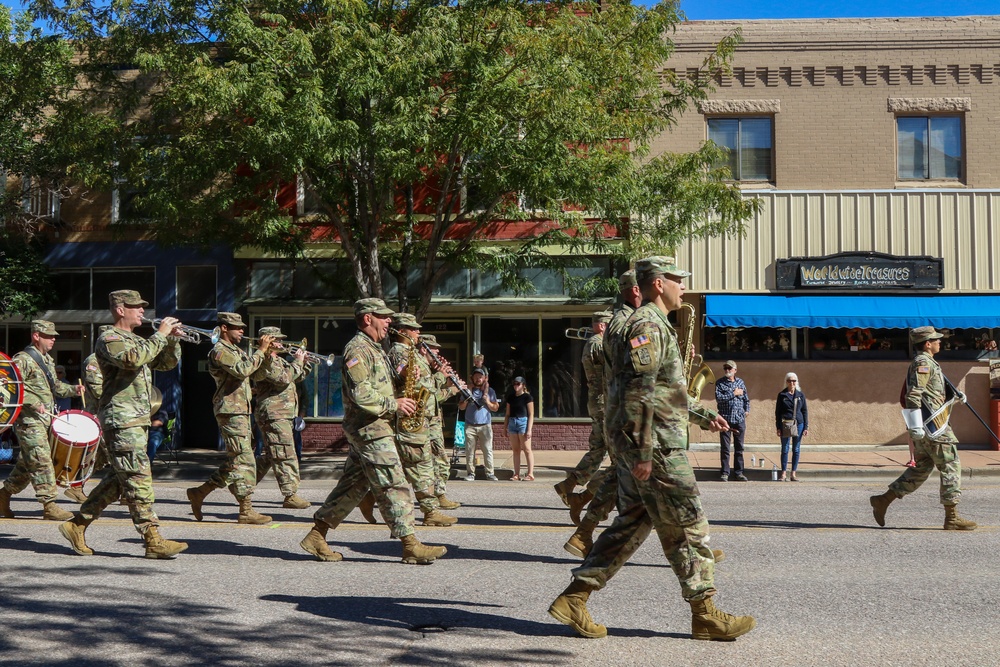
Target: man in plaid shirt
{"type": "Point", "coordinates": [734, 404]}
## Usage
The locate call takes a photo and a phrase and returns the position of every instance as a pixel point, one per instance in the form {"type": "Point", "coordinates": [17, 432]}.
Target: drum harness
{"type": "Point", "coordinates": [33, 353]}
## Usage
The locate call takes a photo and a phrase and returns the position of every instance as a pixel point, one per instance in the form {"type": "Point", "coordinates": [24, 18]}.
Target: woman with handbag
{"type": "Point", "coordinates": [791, 420]}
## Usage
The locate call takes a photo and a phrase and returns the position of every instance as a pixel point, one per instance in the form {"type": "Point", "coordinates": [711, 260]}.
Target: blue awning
{"type": "Point", "coordinates": [875, 312]}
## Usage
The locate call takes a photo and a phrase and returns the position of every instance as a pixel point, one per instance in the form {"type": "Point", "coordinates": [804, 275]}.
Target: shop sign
{"type": "Point", "coordinates": [860, 271]}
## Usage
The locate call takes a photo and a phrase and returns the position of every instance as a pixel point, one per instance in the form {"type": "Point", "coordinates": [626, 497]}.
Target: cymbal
{"type": "Point", "coordinates": [155, 400]}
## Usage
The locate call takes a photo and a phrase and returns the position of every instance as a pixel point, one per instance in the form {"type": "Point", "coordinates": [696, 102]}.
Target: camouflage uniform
{"type": "Point", "coordinates": [373, 461]}
{"type": "Point", "coordinates": [93, 387]}
{"type": "Point", "coordinates": [277, 406]}
{"type": "Point", "coordinates": [925, 386]}
{"type": "Point", "coordinates": [593, 369]}
{"type": "Point", "coordinates": [125, 362]}
{"type": "Point", "coordinates": [604, 484]}
{"type": "Point", "coordinates": [414, 446]}
{"type": "Point", "coordinates": [442, 390]}
{"type": "Point", "coordinates": [649, 422]}
{"type": "Point", "coordinates": [231, 369]}
{"type": "Point", "coordinates": [34, 466]}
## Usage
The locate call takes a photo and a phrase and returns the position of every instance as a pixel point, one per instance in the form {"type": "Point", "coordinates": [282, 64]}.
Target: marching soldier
{"type": "Point", "coordinates": [414, 445]}
{"type": "Point", "coordinates": [442, 389]}
{"type": "Point", "coordinates": [370, 410]}
{"type": "Point", "coordinates": [231, 369]}
{"type": "Point", "coordinates": [593, 368]}
{"type": "Point", "coordinates": [927, 391]}
{"type": "Point", "coordinates": [277, 405]}
{"type": "Point", "coordinates": [126, 362]}
{"type": "Point", "coordinates": [34, 466]}
{"type": "Point", "coordinates": [606, 492]}
{"type": "Point", "coordinates": [650, 432]}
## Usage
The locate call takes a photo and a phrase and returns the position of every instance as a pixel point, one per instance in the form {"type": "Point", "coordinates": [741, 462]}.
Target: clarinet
{"type": "Point", "coordinates": [463, 391]}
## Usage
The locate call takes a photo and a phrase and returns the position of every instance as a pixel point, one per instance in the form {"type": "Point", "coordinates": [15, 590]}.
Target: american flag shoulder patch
{"type": "Point", "coordinates": [923, 369]}
{"type": "Point", "coordinates": [399, 368]}
{"type": "Point", "coordinates": [639, 341]}
{"type": "Point", "coordinates": [352, 362]}
{"type": "Point", "coordinates": [112, 337]}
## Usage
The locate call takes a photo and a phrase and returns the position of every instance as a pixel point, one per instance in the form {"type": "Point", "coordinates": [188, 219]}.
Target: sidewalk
{"type": "Point", "coordinates": [817, 463]}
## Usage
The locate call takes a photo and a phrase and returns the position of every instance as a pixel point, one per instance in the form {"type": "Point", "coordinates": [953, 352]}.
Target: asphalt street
{"type": "Point", "coordinates": [827, 586]}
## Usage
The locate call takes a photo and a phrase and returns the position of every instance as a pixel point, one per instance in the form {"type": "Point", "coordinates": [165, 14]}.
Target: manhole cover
{"type": "Point", "coordinates": [430, 627]}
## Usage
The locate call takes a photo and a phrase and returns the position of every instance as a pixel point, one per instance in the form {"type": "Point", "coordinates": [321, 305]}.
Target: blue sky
{"type": "Point", "coordinates": [777, 9]}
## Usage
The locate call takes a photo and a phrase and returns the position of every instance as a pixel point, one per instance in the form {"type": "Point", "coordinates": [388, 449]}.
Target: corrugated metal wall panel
{"type": "Point", "coordinates": [955, 224]}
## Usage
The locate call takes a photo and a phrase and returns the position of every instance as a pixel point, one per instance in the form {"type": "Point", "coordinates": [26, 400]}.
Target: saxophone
{"type": "Point", "coordinates": [697, 377]}
{"type": "Point", "coordinates": [414, 389]}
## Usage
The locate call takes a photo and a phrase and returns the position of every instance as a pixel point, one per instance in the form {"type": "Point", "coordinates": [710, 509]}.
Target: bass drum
{"type": "Point", "coordinates": [11, 392]}
{"type": "Point", "coordinates": [74, 436]}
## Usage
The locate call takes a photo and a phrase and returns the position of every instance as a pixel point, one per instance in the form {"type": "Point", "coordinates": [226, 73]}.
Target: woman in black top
{"type": "Point", "coordinates": [791, 404]}
{"type": "Point", "coordinates": [518, 421]}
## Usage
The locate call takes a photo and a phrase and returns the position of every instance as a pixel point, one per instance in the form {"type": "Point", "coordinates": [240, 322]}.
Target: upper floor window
{"type": "Point", "coordinates": [749, 145]}
{"type": "Point", "coordinates": [929, 147]}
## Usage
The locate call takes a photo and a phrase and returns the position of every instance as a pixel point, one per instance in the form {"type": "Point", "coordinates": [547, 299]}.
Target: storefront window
{"type": "Point", "coordinates": [751, 343]}
{"type": "Point", "coordinates": [970, 344]}
{"type": "Point", "coordinates": [510, 346]}
{"type": "Point", "coordinates": [857, 343]}
{"type": "Point", "coordinates": [564, 382]}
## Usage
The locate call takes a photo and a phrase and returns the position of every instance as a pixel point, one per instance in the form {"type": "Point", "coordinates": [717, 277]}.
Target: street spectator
{"type": "Point", "coordinates": [791, 419]}
{"type": "Point", "coordinates": [518, 421]}
{"type": "Point", "coordinates": [478, 425]}
{"type": "Point", "coordinates": [734, 404]}
{"type": "Point", "coordinates": [157, 433]}
{"type": "Point", "coordinates": [62, 402]}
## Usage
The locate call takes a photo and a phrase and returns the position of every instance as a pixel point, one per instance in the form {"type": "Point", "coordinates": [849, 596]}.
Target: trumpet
{"type": "Point", "coordinates": [189, 334]}
{"type": "Point", "coordinates": [311, 357]}
{"type": "Point", "coordinates": [583, 333]}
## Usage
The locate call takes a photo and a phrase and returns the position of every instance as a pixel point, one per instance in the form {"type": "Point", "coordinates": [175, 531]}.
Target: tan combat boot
{"type": "Point", "coordinates": [249, 515]}
{"type": "Point", "coordinates": [707, 622]}
{"type": "Point", "coordinates": [571, 608]}
{"type": "Point", "coordinates": [73, 530]}
{"type": "Point", "coordinates": [76, 494]}
{"type": "Point", "coordinates": [577, 504]}
{"type": "Point", "coordinates": [367, 507]}
{"type": "Point", "coordinates": [52, 512]}
{"type": "Point", "coordinates": [880, 504]}
{"type": "Point", "coordinates": [447, 503]}
{"type": "Point", "coordinates": [564, 488]}
{"type": "Point", "coordinates": [415, 553]}
{"type": "Point", "coordinates": [582, 541]}
{"type": "Point", "coordinates": [719, 554]}
{"type": "Point", "coordinates": [5, 510]}
{"type": "Point", "coordinates": [197, 496]}
{"type": "Point", "coordinates": [315, 543]}
{"type": "Point", "coordinates": [157, 547]}
{"type": "Point", "coordinates": [295, 502]}
{"type": "Point", "coordinates": [436, 518]}
{"type": "Point", "coordinates": [954, 522]}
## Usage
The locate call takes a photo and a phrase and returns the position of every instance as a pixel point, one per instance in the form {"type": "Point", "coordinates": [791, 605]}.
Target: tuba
{"type": "Point", "coordinates": [696, 371]}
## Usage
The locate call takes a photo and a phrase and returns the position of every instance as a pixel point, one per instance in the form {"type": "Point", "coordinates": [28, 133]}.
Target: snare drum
{"type": "Point", "coordinates": [74, 436]}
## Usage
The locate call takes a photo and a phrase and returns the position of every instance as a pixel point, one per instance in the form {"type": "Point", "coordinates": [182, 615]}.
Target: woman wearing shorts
{"type": "Point", "coordinates": [518, 420]}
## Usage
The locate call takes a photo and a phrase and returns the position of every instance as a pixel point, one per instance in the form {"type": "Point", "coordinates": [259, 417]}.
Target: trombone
{"type": "Point", "coordinates": [189, 334]}
{"type": "Point", "coordinates": [583, 333]}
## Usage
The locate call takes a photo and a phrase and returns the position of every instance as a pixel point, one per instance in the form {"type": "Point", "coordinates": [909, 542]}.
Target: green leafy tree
{"type": "Point", "coordinates": [422, 128]}
{"type": "Point", "coordinates": [35, 75]}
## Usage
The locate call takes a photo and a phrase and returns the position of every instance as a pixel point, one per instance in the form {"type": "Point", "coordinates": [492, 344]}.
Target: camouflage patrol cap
{"type": "Point", "coordinates": [232, 320]}
{"type": "Point", "coordinates": [373, 306]}
{"type": "Point", "coordinates": [43, 327]}
{"type": "Point", "coordinates": [405, 320]}
{"type": "Point", "coordinates": [924, 334]}
{"type": "Point", "coordinates": [627, 280]}
{"type": "Point", "coordinates": [430, 340]}
{"type": "Point", "coordinates": [126, 297]}
{"type": "Point", "coordinates": [658, 265]}
{"type": "Point", "coordinates": [274, 332]}
{"type": "Point", "coordinates": [602, 316]}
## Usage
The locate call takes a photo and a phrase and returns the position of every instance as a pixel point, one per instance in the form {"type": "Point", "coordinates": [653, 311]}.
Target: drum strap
{"type": "Point", "coordinates": [33, 353]}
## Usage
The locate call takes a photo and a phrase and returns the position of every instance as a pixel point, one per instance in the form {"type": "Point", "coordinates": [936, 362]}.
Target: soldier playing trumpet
{"type": "Point", "coordinates": [125, 362]}
{"type": "Point", "coordinates": [231, 369]}
{"type": "Point", "coordinates": [277, 405]}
